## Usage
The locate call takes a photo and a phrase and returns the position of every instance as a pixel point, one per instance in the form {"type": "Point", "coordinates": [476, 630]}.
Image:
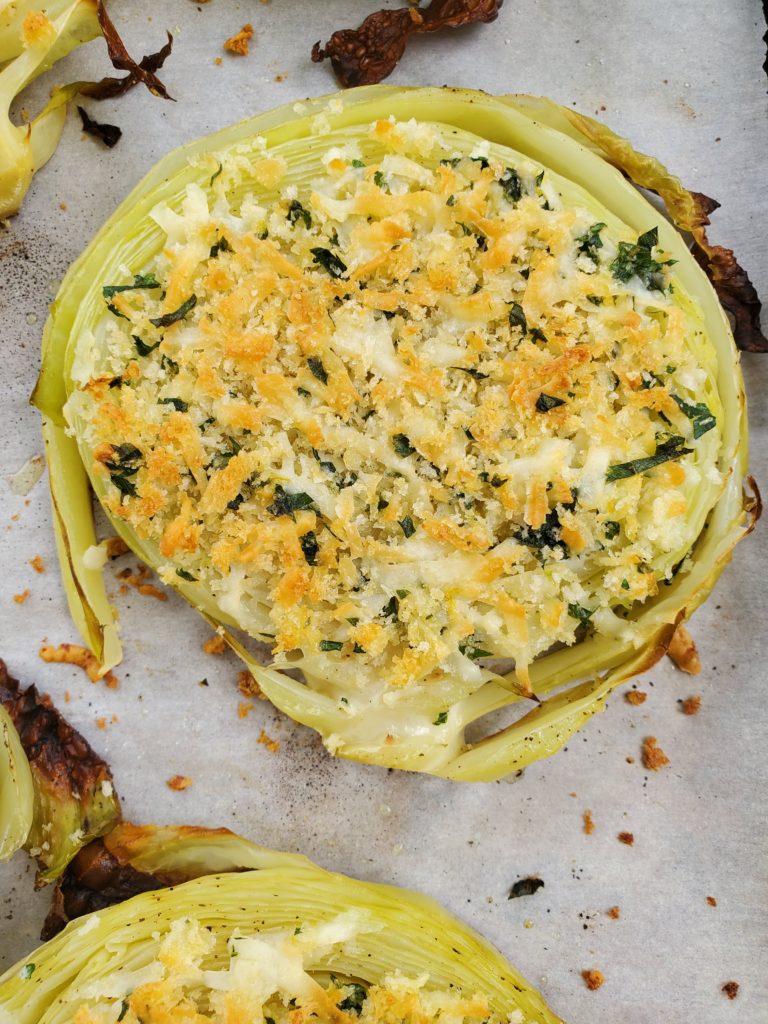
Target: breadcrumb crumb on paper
{"type": "Point", "coordinates": [589, 824]}
{"type": "Point", "coordinates": [115, 546]}
{"type": "Point", "coordinates": [37, 563]}
{"type": "Point", "coordinates": [179, 782]}
{"type": "Point", "coordinates": [266, 741]}
{"type": "Point", "coordinates": [628, 838]}
{"type": "Point", "coordinates": [682, 651]}
{"type": "Point", "coordinates": [653, 756]}
{"type": "Point", "coordinates": [711, 901]}
{"type": "Point", "coordinates": [239, 43]}
{"type": "Point", "coordinates": [691, 705]}
{"type": "Point", "coordinates": [614, 913]}
{"type": "Point", "coordinates": [215, 645]}
{"type": "Point", "coordinates": [138, 580]}
{"type": "Point", "coordinates": [74, 654]}
{"type": "Point", "coordinates": [22, 597]}
{"type": "Point", "coordinates": [248, 686]}
{"type": "Point", "coordinates": [593, 979]}
{"type": "Point", "coordinates": [636, 697]}
{"type": "Point", "coordinates": [731, 989]}
{"type": "Point", "coordinates": [244, 708]}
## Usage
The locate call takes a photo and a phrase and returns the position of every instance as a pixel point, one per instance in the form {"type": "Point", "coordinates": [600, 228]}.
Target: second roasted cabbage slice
{"type": "Point", "coordinates": [401, 397]}
{"type": "Point", "coordinates": [273, 938]}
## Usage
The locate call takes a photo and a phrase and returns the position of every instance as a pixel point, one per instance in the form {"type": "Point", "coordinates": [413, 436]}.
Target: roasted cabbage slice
{"type": "Point", "coordinates": [274, 938]}
{"type": "Point", "coordinates": [403, 383]}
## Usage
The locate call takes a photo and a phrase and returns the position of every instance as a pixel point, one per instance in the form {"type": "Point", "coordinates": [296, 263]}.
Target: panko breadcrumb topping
{"type": "Point", "coordinates": [264, 977]}
{"type": "Point", "coordinates": [74, 654]}
{"type": "Point", "coordinates": [691, 705]}
{"type": "Point", "coordinates": [593, 979]}
{"type": "Point", "coordinates": [403, 413]}
{"type": "Point", "coordinates": [636, 697]}
{"type": "Point", "coordinates": [589, 823]}
{"type": "Point", "coordinates": [627, 838]}
{"type": "Point", "coordinates": [654, 757]}
{"type": "Point", "coordinates": [179, 782]}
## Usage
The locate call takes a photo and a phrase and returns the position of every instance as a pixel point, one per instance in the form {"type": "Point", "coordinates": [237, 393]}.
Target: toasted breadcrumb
{"type": "Point", "coordinates": [711, 901]}
{"type": "Point", "coordinates": [248, 686]}
{"type": "Point", "coordinates": [218, 61]}
{"type": "Point", "coordinates": [240, 42]}
{"type": "Point", "coordinates": [37, 563]}
{"type": "Point", "coordinates": [653, 756]}
{"type": "Point", "coordinates": [101, 723]}
{"type": "Point", "coordinates": [635, 697]}
{"type": "Point", "coordinates": [67, 697]}
{"type": "Point", "coordinates": [244, 709]}
{"type": "Point", "coordinates": [589, 824]}
{"type": "Point", "coordinates": [628, 838]}
{"type": "Point", "coordinates": [629, 760]}
{"type": "Point", "coordinates": [691, 705]}
{"type": "Point", "coordinates": [272, 745]}
{"type": "Point", "coordinates": [614, 913]}
{"type": "Point", "coordinates": [179, 782]}
{"type": "Point", "coordinates": [731, 989]}
{"type": "Point", "coordinates": [215, 645]}
{"type": "Point", "coordinates": [22, 597]}
{"type": "Point", "coordinates": [593, 979]}
{"type": "Point", "coordinates": [74, 654]}
{"type": "Point", "coordinates": [115, 546]}
{"type": "Point", "coordinates": [138, 580]}
{"type": "Point", "coordinates": [682, 651]}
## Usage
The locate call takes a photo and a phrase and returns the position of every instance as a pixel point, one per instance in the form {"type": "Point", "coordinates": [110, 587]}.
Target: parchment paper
{"type": "Point", "coordinates": [684, 81]}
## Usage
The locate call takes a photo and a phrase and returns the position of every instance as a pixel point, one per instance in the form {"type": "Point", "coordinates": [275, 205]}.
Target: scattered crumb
{"type": "Point", "coordinates": [527, 923]}
{"type": "Point", "coordinates": [179, 782]}
{"type": "Point", "coordinates": [653, 756]}
{"type": "Point", "coordinates": [62, 206]}
{"type": "Point", "coordinates": [593, 979]}
{"type": "Point", "coordinates": [682, 651]}
{"type": "Point", "coordinates": [628, 838]}
{"type": "Point", "coordinates": [589, 823]}
{"type": "Point", "coordinates": [272, 745]}
{"type": "Point", "coordinates": [280, 78]}
{"type": "Point", "coordinates": [711, 901]}
{"type": "Point", "coordinates": [67, 697]}
{"type": "Point", "coordinates": [248, 686]}
{"type": "Point", "coordinates": [244, 709]}
{"type": "Point", "coordinates": [101, 723]}
{"type": "Point", "coordinates": [629, 760]}
{"type": "Point", "coordinates": [215, 645]}
{"type": "Point", "coordinates": [615, 913]}
{"type": "Point", "coordinates": [636, 697]}
{"type": "Point", "coordinates": [574, 795]}
{"type": "Point", "coordinates": [218, 60]}
{"type": "Point", "coordinates": [37, 563]}
{"type": "Point", "coordinates": [691, 705]}
{"type": "Point", "coordinates": [138, 580]}
{"type": "Point", "coordinates": [525, 887]}
{"type": "Point", "coordinates": [731, 989]}
{"type": "Point", "coordinates": [115, 546]}
{"type": "Point", "coordinates": [74, 654]}
{"type": "Point", "coordinates": [22, 597]}
{"type": "Point", "coordinates": [240, 42]}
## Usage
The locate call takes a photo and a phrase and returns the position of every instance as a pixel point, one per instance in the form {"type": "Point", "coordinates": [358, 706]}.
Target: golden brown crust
{"type": "Point", "coordinates": [654, 757]}
{"type": "Point", "coordinates": [593, 978]}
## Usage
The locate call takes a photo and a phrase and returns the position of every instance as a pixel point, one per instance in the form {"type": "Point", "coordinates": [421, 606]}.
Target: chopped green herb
{"type": "Point", "coordinates": [382, 504]}
{"type": "Point", "coordinates": [402, 594]}
{"type": "Point", "coordinates": [511, 185]}
{"type": "Point", "coordinates": [358, 163]}
{"type": "Point", "coordinates": [472, 372]}
{"type": "Point", "coordinates": [391, 608]}
{"type": "Point", "coordinates": [379, 179]}
{"type": "Point", "coordinates": [545, 536]}
{"type": "Point", "coordinates": [27, 971]}
{"type": "Point", "coordinates": [665, 452]}
{"type": "Point", "coordinates": [297, 212]}
{"type": "Point", "coordinates": [699, 415]}
{"type": "Point", "coordinates": [139, 281]}
{"type": "Point", "coordinates": [215, 174]}
{"type": "Point", "coordinates": [124, 1003]}
{"type": "Point", "coordinates": [441, 719]}
{"type": "Point", "coordinates": [546, 402]}
{"type": "Point", "coordinates": [407, 526]}
{"type": "Point", "coordinates": [331, 645]}
{"type": "Point", "coordinates": [115, 311]}
{"type": "Point", "coordinates": [579, 612]}
{"type": "Point", "coordinates": [303, 392]}
{"type": "Point", "coordinates": [297, 930]}
{"type": "Point", "coordinates": [142, 348]}
{"type": "Point", "coordinates": [596, 300]}
{"type": "Point", "coordinates": [612, 529]}
{"type": "Point", "coordinates": [220, 245]}
{"type": "Point", "coordinates": [466, 230]}
{"type": "Point", "coordinates": [357, 649]}
{"type": "Point", "coordinates": [470, 650]}
{"type": "Point", "coordinates": [317, 368]}
{"type": "Point", "coordinates": [450, 201]}
{"type": "Point", "coordinates": [178, 314]}
{"type": "Point", "coordinates": [538, 335]}
{"type": "Point", "coordinates": [517, 317]}
{"type": "Point", "coordinates": [169, 365]}
{"type": "Point", "coordinates": [590, 242]}
{"type": "Point", "coordinates": [482, 242]}
{"type": "Point", "coordinates": [329, 261]}
{"type": "Point", "coordinates": [178, 404]}
{"type": "Point", "coordinates": [625, 584]}
{"type": "Point", "coordinates": [353, 1003]}
{"type": "Point", "coordinates": [186, 575]}
{"type": "Point", "coordinates": [539, 178]}
{"type": "Point", "coordinates": [637, 261]}
{"type": "Point", "coordinates": [402, 445]}
{"type": "Point", "coordinates": [123, 484]}
{"type": "Point", "coordinates": [286, 504]}
{"type": "Point", "coordinates": [480, 160]}
{"type": "Point", "coordinates": [310, 547]}
{"type": "Point", "coordinates": [346, 480]}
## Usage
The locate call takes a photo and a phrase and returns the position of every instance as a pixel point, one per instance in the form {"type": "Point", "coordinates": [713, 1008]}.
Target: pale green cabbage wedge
{"type": "Point", "coordinates": [16, 790]}
{"type": "Point", "coordinates": [395, 931]}
{"type": "Point", "coordinates": [405, 734]}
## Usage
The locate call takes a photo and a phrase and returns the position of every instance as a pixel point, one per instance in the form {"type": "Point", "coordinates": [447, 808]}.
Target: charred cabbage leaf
{"type": "Point", "coordinates": [368, 54]}
{"type": "Point", "coordinates": [74, 800]}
